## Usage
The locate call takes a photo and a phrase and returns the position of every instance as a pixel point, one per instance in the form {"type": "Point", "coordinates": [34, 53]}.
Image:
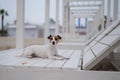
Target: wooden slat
{"type": "Point", "coordinates": [10, 52]}
{"type": "Point", "coordinates": [116, 31]}
{"type": "Point", "coordinates": [6, 51]}
{"type": "Point", "coordinates": [26, 62]}
{"type": "Point", "coordinates": [92, 43]}
{"type": "Point", "coordinates": [13, 61]}
{"type": "Point", "coordinates": [99, 49]}
{"type": "Point", "coordinates": [111, 27]}
{"type": "Point", "coordinates": [100, 37]}
{"type": "Point", "coordinates": [19, 61]}
{"type": "Point", "coordinates": [57, 64]}
{"type": "Point", "coordinates": [86, 49]}
{"type": "Point", "coordinates": [45, 62]}
{"type": "Point", "coordinates": [73, 62]}
{"type": "Point", "coordinates": [42, 63]}
{"type": "Point", "coordinates": [65, 53]}
{"type": "Point", "coordinates": [110, 40]}
{"type": "Point", "coordinates": [6, 57]}
{"type": "Point", "coordinates": [87, 59]}
{"type": "Point", "coordinates": [108, 30]}
{"type": "Point", "coordinates": [27, 74]}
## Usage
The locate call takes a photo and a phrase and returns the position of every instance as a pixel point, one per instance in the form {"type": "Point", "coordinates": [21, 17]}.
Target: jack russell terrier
{"type": "Point", "coordinates": [44, 51]}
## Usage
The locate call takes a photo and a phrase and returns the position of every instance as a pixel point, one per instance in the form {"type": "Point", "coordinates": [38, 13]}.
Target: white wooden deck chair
{"type": "Point", "coordinates": [102, 33]}
{"type": "Point", "coordinates": [101, 46]}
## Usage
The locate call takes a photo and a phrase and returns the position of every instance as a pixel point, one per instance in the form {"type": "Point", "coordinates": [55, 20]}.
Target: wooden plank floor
{"type": "Point", "coordinates": [9, 59]}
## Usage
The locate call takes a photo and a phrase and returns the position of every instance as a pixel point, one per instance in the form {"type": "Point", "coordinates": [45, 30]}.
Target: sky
{"type": "Point", "coordinates": [34, 10]}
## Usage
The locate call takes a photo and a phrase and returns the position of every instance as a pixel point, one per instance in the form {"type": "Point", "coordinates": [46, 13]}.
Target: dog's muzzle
{"type": "Point", "coordinates": [53, 43]}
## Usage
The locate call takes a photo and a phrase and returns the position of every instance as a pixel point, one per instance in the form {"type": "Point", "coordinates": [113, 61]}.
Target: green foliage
{"type": "Point", "coordinates": [3, 33]}
{"type": "Point", "coordinates": [3, 13]}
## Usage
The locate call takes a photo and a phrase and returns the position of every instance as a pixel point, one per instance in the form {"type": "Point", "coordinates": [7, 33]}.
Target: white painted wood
{"type": "Point", "coordinates": [99, 49]}
{"type": "Point", "coordinates": [108, 12]}
{"type": "Point", "coordinates": [100, 37]}
{"type": "Point", "coordinates": [13, 62]}
{"type": "Point", "coordinates": [93, 37]}
{"type": "Point", "coordinates": [20, 24]}
{"type": "Point", "coordinates": [26, 62]}
{"type": "Point", "coordinates": [115, 12]}
{"type": "Point", "coordinates": [88, 57]}
{"type": "Point", "coordinates": [110, 40]}
{"type": "Point", "coordinates": [92, 43]}
{"type": "Point", "coordinates": [103, 48]}
{"type": "Point", "coordinates": [31, 74]}
{"type": "Point", "coordinates": [6, 51]}
{"type": "Point", "coordinates": [67, 53]}
{"type": "Point", "coordinates": [108, 30]}
{"type": "Point", "coordinates": [6, 58]}
{"type": "Point", "coordinates": [86, 48]}
{"type": "Point", "coordinates": [73, 62]}
{"type": "Point", "coordinates": [116, 31]}
{"type": "Point", "coordinates": [63, 17]}
{"type": "Point", "coordinates": [42, 63]}
{"type": "Point", "coordinates": [57, 64]}
{"type": "Point", "coordinates": [57, 17]}
{"type": "Point", "coordinates": [46, 32]}
{"type": "Point", "coordinates": [67, 17]}
{"type": "Point", "coordinates": [81, 0]}
{"type": "Point", "coordinates": [103, 12]}
{"type": "Point", "coordinates": [72, 24]}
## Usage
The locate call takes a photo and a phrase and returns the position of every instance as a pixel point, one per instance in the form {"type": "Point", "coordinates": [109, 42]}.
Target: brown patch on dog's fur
{"type": "Point", "coordinates": [57, 38]}
{"type": "Point", "coordinates": [49, 37]}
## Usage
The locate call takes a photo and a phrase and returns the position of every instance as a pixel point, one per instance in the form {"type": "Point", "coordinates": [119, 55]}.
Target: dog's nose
{"type": "Point", "coordinates": [53, 43]}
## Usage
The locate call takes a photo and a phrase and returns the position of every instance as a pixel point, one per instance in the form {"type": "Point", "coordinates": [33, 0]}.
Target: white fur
{"type": "Point", "coordinates": [43, 51]}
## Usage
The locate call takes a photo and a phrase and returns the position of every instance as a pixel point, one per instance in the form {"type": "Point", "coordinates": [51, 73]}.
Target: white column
{"type": "Point", "coordinates": [108, 11]}
{"type": "Point", "coordinates": [101, 20]}
{"type": "Point", "coordinates": [102, 14]}
{"type": "Point", "coordinates": [47, 5]}
{"type": "Point", "coordinates": [96, 23]}
{"type": "Point", "coordinates": [57, 17]}
{"type": "Point", "coordinates": [90, 29]}
{"type": "Point", "coordinates": [67, 15]}
{"type": "Point", "coordinates": [99, 13]}
{"type": "Point", "coordinates": [115, 14]}
{"type": "Point", "coordinates": [72, 24]}
{"type": "Point", "coordinates": [20, 24]}
{"type": "Point", "coordinates": [63, 19]}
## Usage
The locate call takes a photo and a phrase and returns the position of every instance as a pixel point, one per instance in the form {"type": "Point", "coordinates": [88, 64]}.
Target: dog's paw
{"type": "Point", "coordinates": [24, 63]}
{"type": "Point", "coordinates": [63, 58]}
{"type": "Point", "coordinates": [67, 58]}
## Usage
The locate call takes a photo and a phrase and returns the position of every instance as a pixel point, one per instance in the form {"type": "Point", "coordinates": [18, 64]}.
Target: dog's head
{"type": "Point", "coordinates": [54, 39]}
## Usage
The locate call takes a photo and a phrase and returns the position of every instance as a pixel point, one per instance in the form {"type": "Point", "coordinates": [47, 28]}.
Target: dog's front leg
{"type": "Point", "coordinates": [61, 56]}
{"type": "Point", "coordinates": [56, 58]}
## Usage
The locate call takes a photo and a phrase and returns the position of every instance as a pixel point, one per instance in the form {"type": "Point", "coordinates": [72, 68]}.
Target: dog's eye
{"type": "Point", "coordinates": [51, 38]}
{"type": "Point", "coordinates": [56, 39]}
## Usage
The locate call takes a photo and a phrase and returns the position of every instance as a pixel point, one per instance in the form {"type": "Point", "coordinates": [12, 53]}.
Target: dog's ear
{"type": "Point", "coordinates": [49, 37]}
{"type": "Point", "coordinates": [59, 37]}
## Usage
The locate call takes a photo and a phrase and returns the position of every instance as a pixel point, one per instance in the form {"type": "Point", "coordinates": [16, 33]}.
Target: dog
{"type": "Point", "coordinates": [44, 51]}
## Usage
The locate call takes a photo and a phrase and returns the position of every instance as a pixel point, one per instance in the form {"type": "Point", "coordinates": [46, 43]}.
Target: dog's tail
{"type": "Point", "coordinates": [21, 54]}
